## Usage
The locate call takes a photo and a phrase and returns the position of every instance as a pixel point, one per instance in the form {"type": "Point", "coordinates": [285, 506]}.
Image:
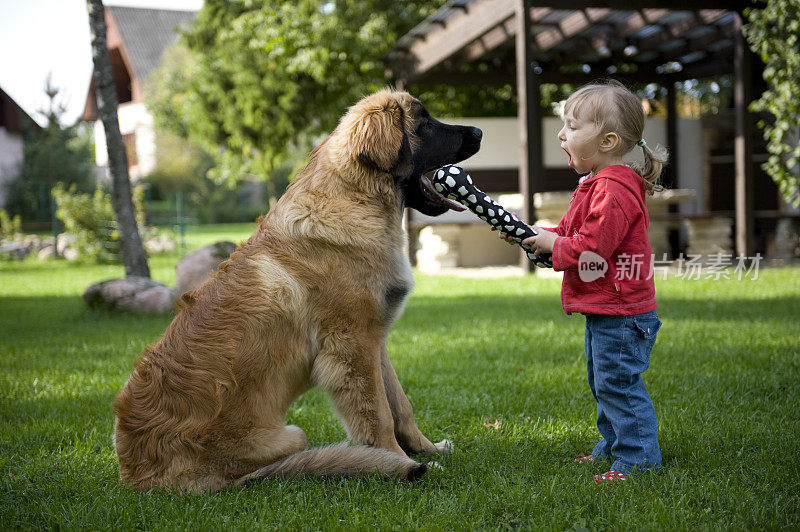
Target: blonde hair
{"type": "Point", "coordinates": [615, 109]}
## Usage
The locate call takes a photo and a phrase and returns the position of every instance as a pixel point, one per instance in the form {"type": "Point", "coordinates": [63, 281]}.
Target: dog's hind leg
{"type": "Point", "coordinates": [224, 464]}
{"type": "Point", "coordinates": [405, 428]}
{"type": "Point", "coordinates": [259, 448]}
{"type": "Point", "coordinates": [265, 446]}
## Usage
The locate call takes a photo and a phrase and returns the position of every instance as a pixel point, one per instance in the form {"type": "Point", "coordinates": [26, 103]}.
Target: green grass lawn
{"type": "Point", "coordinates": [725, 379]}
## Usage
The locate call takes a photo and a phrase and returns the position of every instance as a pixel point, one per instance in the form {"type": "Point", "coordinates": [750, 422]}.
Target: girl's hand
{"type": "Point", "coordinates": [508, 238]}
{"type": "Point", "coordinates": [543, 242]}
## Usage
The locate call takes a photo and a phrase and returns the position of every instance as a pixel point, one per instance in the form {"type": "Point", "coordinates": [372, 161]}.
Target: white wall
{"type": "Point", "coordinates": [500, 144]}
{"type": "Point", "coordinates": [500, 148]}
{"type": "Point", "coordinates": [10, 160]}
{"type": "Point", "coordinates": [690, 166]}
{"type": "Point", "coordinates": [133, 118]}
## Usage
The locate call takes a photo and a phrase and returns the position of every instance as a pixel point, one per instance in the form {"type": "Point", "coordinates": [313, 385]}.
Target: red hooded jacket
{"type": "Point", "coordinates": [606, 222]}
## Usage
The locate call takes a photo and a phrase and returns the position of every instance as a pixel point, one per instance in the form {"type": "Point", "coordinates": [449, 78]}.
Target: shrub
{"type": "Point", "coordinates": [90, 219]}
{"type": "Point", "coordinates": [9, 227]}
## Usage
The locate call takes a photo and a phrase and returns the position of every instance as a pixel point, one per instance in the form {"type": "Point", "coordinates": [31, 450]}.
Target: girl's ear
{"type": "Point", "coordinates": [609, 142]}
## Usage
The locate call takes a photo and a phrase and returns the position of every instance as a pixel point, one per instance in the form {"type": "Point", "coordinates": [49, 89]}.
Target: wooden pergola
{"type": "Point", "coordinates": [529, 43]}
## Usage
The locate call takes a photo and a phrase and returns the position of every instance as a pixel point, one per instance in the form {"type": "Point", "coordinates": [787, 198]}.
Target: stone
{"type": "Point", "coordinates": [133, 293]}
{"type": "Point", "coordinates": [198, 265]}
{"type": "Point", "coordinates": [63, 241]}
{"type": "Point", "coordinates": [787, 239]}
{"type": "Point", "coordinates": [14, 250]}
{"type": "Point", "coordinates": [33, 242]}
{"type": "Point", "coordinates": [709, 235]}
{"type": "Point", "coordinates": [159, 244]}
{"type": "Point", "coordinates": [46, 253]}
{"type": "Point", "coordinates": [70, 254]}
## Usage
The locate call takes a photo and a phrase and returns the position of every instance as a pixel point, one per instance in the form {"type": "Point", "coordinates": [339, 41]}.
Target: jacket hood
{"type": "Point", "coordinates": [624, 175]}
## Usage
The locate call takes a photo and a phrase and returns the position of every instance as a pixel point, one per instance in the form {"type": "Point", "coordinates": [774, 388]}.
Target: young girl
{"type": "Point", "coordinates": [601, 245]}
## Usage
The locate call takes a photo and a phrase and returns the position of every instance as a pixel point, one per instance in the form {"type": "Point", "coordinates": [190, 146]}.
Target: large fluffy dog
{"type": "Point", "coordinates": [307, 300]}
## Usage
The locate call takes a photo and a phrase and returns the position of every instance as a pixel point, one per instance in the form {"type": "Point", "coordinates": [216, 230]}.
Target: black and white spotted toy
{"type": "Point", "coordinates": [453, 182]}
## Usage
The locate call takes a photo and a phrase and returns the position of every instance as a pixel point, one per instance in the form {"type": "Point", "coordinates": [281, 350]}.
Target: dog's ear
{"type": "Point", "coordinates": [377, 137]}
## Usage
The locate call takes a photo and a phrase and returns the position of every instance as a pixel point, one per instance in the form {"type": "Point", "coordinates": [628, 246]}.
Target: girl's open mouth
{"type": "Point", "coordinates": [568, 155]}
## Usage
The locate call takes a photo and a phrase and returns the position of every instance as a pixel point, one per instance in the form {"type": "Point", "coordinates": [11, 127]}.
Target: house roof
{"type": "Point", "coordinates": [146, 33]}
{"type": "Point", "coordinates": [12, 117]}
{"type": "Point", "coordinates": [137, 38]}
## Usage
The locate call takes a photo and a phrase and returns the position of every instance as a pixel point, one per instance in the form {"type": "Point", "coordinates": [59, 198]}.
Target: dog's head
{"type": "Point", "coordinates": [392, 134]}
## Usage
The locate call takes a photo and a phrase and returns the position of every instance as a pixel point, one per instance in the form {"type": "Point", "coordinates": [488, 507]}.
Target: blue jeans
{"type": "Point", "coordinates": [617, 353]}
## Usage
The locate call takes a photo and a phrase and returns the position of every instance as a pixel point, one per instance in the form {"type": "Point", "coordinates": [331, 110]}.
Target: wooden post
{"type": "Point", "coordinates": [530, 119]}
{"type": "Point", "coordinates": [671, 177]}
{"type": "Point", "coordinates": [743, 147]}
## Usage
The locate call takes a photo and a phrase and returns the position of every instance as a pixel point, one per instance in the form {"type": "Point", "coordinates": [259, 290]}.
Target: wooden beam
{"type": "Point", "coordinates": [712, 64]}
{"type": "Point", "coordinates": [706, 70]}
{"type": "Point", "coordinates": [493, 39]}
{"type": "Point", "coordinates": [499, 35]}
{"type": "Point", "coordinates": [669, 32]}
{"type": "Point", "coordinates": [461, 29]}
{"type": "Point", "coordinates": [495, 78]}
{"type": "Point", "coordinates": [671, 177]}
{"type": "Point", "coordinates": [716, 62]}
{"type": "Point", "coordinates": [675, 5]}
{"type": "Point", "coordinates": [700, 43]}
{"type": "Point", "coordinates": [531, 161]}
{"type": "Point", "coordinates": [570, 26]}
{"type": "Point", "coordinates": [499, 78]}
{"type": "Point", "coordinates": [630, 24]}
{"type": "Point", "coordinates": [483, 26]}
{"type": "Point", "coordinates": [679, 28]}
{"type": "Point", "coordinates": [743, 147]}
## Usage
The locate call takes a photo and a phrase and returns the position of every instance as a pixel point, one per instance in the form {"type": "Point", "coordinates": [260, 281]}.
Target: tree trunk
{"type": "Point", "coordinates": [133, 256]}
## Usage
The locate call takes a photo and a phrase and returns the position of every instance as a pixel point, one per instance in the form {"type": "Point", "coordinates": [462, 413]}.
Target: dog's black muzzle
{"type": "Point", "coordinates": [440, 144]}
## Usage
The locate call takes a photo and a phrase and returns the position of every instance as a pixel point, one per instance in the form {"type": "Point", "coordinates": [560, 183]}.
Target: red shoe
{"type": "Point", "coordinates": [610, 476]}
{"type": "Point", "coordinates": [583, 459]}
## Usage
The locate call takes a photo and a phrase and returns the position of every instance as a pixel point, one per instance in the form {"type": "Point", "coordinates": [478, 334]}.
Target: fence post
{"type": "Point", "coordinates": [43, 203]}
{"type": "Point", "coordinates": [180, 219]}
{"type": "Point", "coordinates": [54, 224]}
{"type": "Point", "coordinates": [241, 200]}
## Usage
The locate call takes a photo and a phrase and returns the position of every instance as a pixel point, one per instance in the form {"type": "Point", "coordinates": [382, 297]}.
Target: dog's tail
{"type": "Point", "coordinates": [340, 461]}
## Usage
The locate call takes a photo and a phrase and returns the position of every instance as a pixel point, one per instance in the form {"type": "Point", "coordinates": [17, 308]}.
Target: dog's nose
{"type": "Point", "coordinates": [477, 133]}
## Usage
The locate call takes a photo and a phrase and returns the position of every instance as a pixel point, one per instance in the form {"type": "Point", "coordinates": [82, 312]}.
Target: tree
{"type": "Point", "coordinates": [257, 79]}
{"type": "Point", "coordinates": [133, 255]}
{"type": "Point", "coordinates": [180, 165]}
{"type": "Point", "coordinates": [53, 154]}
{"type": "Point", "coordinates": [774, 33]}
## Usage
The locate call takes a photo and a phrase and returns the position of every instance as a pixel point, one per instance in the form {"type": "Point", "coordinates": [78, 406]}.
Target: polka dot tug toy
{"type": "Point", "coordinates": [453, 182]}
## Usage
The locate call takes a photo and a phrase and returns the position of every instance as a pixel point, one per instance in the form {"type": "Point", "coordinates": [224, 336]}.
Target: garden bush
{"type": "Point", "coordinates": [90, 219]}
{"type": "Point", "coordinates": [9, 226]}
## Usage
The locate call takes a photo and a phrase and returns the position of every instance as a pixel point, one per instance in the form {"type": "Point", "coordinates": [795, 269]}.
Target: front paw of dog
{"type": "Point", "coordinates": [444, 446]}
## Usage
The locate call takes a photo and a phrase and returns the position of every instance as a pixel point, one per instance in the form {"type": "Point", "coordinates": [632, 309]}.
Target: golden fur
{"type": "Point", "coordinates": [307, 301]}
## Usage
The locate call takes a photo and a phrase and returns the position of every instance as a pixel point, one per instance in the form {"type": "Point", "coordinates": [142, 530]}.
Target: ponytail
{"type": "Point", "coordinates": [650, 170]}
